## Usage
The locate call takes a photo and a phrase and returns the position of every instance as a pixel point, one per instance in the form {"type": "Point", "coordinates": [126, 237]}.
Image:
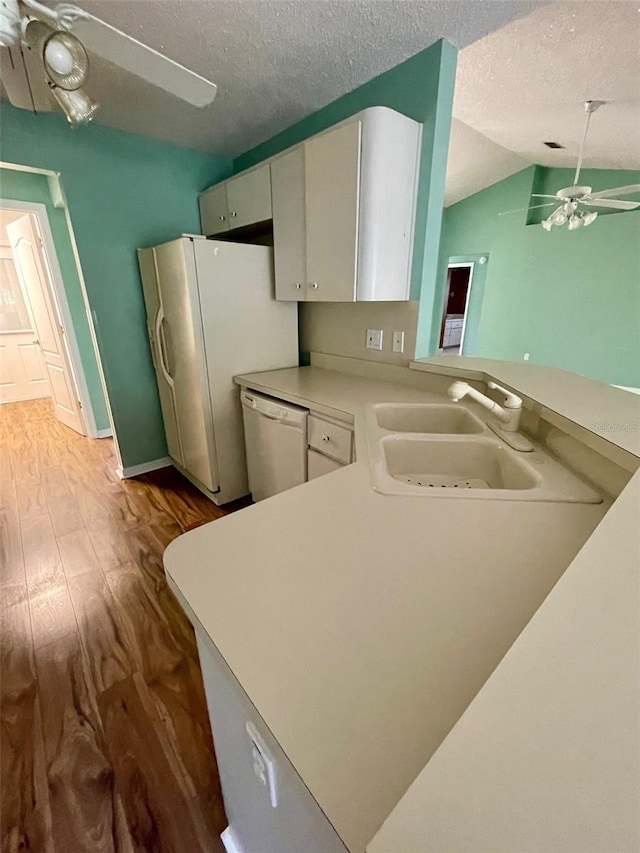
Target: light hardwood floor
{"type": "Point", "coordinates": [105, 739]}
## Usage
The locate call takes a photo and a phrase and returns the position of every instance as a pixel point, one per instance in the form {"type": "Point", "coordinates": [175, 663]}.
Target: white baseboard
{"type": "Point", "coordinates": [136, 470]}
{"type": "Point", "coordinates": [104, 433]}
{"type": "Point", "coordinates": [229, 841]}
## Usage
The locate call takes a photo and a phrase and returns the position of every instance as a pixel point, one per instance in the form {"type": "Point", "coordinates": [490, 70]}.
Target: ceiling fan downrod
{"type": "Point", "coordinates": [590, 108]}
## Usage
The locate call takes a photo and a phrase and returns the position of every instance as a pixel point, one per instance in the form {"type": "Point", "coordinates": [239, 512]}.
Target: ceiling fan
{"type": "Point", "coordinates": [576, 201]}
{"type": "Point", "coordinates": [45, 51]}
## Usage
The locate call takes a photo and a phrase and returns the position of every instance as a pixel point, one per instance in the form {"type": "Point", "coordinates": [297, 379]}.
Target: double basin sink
{"type": "Point", "coordinates": [427, 449]}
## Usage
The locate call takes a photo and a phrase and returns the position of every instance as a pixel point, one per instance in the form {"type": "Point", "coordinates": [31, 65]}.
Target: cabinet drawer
{"type": "Point", "coordinates": [331, 439]}
{"type": "Point", "coordinates": [318, 465]}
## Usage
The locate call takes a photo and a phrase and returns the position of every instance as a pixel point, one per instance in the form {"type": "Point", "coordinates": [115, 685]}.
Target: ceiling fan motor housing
{"type": "Point", "coordinates": [571, 193]}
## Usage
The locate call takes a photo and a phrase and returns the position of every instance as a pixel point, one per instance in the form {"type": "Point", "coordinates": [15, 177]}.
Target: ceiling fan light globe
{"type": "Point", "coordinates": [58, 56]}
{"type": "Point", "coordinates": [547, 224]}
{"type": "Point", "coordinates": [575, 222]}
{"type": "Point", "coordinates": [558, 218]}
{"type": "Point", "coordinates": [589, 217]}
{"type": "Point", "coordinates": [65, 61]}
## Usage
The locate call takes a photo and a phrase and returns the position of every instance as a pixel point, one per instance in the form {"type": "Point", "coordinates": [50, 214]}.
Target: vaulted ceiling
{"type": "Point", "coordinates": [525, 85]}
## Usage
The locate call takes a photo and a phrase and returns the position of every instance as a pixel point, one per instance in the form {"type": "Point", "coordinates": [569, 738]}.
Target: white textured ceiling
{"type": "Point", "coordinates": [475, 163]}
{"type": "Point", "coordinates": [274, 61]}
{"type": "Point", "coordinates": [525, 84]}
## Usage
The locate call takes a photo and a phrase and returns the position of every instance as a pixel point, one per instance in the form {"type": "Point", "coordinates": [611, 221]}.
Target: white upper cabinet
{"type": "Point", "coordinates": [343, 208]}
{"type": "Point", "coordinates": [332, 179]}
{"type": "Point", "coordinates": [249, 197]}
{"type": "Point", "coordinates": [241, 201]}
{"type": "Point", "coordinates": [213, 210]}
{"type": "Point", "coordinates": [344, 211]}
{"type": "Point", "coordinates": [289, 227]}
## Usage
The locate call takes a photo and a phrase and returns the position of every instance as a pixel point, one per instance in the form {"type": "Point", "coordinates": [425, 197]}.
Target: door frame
{"type": "Point", "coordinates": [470, 265]}
{"type": "Point", "coordinates": [59, 298]}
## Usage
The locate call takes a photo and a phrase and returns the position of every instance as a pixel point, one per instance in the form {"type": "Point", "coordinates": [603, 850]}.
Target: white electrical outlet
{"type": "Point", "coordinates": [374, 338]}
{"type": "Point", "coordinates": [398, 341]}
{"type": "Point", "coordinates": [526, 356]}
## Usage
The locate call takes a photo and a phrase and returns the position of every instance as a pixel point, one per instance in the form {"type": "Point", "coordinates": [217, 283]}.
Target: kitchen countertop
{"type": "Point", "coordinates": [584, 401]}
{"type": "Point", "coordinates": [362, 625]}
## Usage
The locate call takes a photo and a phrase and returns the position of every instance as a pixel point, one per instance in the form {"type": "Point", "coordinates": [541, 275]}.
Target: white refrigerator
{"type": "Point", "coordinates": [211, 315]}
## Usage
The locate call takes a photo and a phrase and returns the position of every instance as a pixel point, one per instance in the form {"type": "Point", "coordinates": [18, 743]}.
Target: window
{"type": "Point", "coordinates": [14, 316]}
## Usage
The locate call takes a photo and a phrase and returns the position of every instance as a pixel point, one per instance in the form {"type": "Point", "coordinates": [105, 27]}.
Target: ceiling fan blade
{"type": "Point", "coordinates": [630, 188]}
{"type": "Point", "coordinates": [23, 80]}
{"type": "Point", "coordinates": [120, 49]}
{"type": "Point", "coordinates": [542, 195]}
{"type": "Point", "coordinates": [613, 204]}
{"type": "Point", "coordinates": [522, 209]}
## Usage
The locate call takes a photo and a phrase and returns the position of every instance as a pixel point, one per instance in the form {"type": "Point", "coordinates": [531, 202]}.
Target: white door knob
{"type": "Point", "coordinates": [314, 285]}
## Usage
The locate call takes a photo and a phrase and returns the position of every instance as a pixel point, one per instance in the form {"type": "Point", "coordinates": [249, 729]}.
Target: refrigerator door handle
{"type": "Point", "coordinates": [160, 318]}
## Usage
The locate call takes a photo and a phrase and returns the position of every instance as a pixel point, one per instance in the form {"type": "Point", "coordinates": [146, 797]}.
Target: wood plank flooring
{"type": "Point", "coordinates": [105, 743]}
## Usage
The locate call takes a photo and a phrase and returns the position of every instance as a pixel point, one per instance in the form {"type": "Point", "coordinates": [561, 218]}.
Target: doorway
{"type": "Point", "coordinates": [38, 350]}
{"type": "Point", "coordinates": [456, 305]}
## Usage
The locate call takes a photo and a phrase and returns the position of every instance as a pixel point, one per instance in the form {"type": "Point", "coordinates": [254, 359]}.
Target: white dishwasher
{"type": "Point", "coordinates": [276, 444]}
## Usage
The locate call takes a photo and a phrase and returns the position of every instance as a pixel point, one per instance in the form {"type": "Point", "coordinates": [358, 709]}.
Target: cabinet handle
{"type": "Point", "coordinates": [326, 438]}
{"type": "Point", "coordinates": [297, 285]}
{"type": "Point", "coordinates": [222, 217]}
{"type": "Point", "coordinates": [233, 214]}
{"type": "Point", "coordinates": [314, 285]}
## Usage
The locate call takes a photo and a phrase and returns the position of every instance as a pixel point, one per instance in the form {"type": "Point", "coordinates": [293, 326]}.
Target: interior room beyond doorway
{"type": "Point", "coordinates": [456, 303]}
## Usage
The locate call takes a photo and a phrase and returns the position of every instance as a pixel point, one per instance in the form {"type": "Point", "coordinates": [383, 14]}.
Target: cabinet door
{"type": "Point", "coordinates": [213, 210]}
{"type": "Point", "coordinates": [319, 465]}
{"type": "Point", "coordinates": [249, 198]}
{"type": "Point", "coordinates": [332, 179]}
{"type": "Point", "coordinates": [289, 240]}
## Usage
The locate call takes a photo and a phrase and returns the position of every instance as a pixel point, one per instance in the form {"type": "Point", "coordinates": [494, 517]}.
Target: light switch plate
{"type": "Point", "coordinates": [398, 341]}
{"type": "Point", "coordinates": [374, 338]}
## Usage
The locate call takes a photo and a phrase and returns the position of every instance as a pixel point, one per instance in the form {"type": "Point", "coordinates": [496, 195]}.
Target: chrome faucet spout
{"type": "Point", "coordinates": [508, 414]}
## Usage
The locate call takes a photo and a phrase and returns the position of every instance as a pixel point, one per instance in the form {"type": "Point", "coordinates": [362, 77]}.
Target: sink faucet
{"type": "Point", "coordinates": [508, 414]}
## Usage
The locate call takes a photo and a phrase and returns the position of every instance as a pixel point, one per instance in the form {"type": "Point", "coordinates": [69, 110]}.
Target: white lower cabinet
{"type": "Point", "coordinates": [318, 465]}
{"type": "Point", "coordinates": [330, 446]}
{"type": "Point", "coordinates": [279, 817]}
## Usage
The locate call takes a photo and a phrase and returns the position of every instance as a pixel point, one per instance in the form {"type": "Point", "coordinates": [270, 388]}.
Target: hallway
{"type": "Point", "coordinates": [105, 739]}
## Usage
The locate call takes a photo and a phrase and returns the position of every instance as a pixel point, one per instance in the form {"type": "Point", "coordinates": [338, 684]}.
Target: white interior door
{"type": "Point", "coordinates": [22, 374]}
{"type": "Point", "coordinates": [33, 271]}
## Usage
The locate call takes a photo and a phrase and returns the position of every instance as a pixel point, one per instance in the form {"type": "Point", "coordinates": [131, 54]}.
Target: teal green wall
{"type": "Point", "coordinates": [31, 187]}
{"type": "Point", "coordinates": [570, 299]}
{"type": "Point", "coordinates": [421, 88]}
{"type": "Point", "coordinates": [124, 191]}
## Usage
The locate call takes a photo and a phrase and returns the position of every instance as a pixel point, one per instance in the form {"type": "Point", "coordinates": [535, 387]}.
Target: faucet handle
{"type": "Point", "coordinates": [511, 400]}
